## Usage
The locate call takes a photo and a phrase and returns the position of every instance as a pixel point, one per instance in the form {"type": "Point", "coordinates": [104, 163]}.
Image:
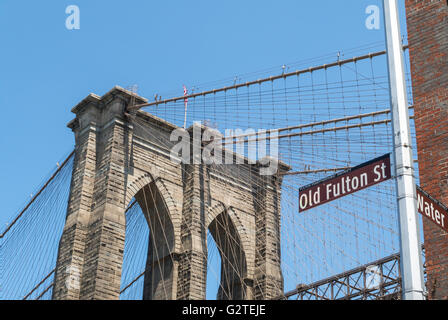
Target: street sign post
{"type": "Point", "coordinates": [410, 240]}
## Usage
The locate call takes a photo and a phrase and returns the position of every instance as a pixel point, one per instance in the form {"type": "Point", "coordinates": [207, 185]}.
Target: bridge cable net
{"type": "Point", "coordinates": [327, 119]}
{"type": "Point", "coordinates": [29, 244]}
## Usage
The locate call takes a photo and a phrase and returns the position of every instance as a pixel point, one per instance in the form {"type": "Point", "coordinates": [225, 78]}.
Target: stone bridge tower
{"type": "Point", "coordinates": [118, 158]}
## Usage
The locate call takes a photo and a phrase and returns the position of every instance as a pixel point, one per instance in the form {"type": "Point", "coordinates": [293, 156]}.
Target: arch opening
{"type": "Point", "coordinates": [213, 268]}
{"type": "Point", "coordinates": [148, 264]}
{"type": "Point", "coordinates": [159, 269]}
{"type": "Point", "coordinates": [135, 253]}
{"type": "Point", "coordinates": [232, 284]}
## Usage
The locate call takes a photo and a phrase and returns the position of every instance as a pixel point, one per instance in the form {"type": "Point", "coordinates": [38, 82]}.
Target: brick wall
{"type": "Point", "coordinates": [427, 23]}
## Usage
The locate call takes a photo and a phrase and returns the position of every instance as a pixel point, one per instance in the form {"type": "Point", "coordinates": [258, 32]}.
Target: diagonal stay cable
{"type": "Point", "coordinates": [36, 195]}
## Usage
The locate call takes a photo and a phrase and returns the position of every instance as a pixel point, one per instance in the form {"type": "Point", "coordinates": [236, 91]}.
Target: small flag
{"type": "Point", "coordinates": [185, 103]}
{"type": "Point", "coordinates": [185, 94]}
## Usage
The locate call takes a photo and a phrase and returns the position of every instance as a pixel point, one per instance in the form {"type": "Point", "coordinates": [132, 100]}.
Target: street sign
{"type": "Point", "coordinates": [344, 183]}
{"type": "Point", "coordinates": [432, 209]}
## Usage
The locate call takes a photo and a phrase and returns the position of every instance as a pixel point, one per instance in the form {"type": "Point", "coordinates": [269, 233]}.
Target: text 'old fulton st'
{"type": "Point", "coordinates": [345, 183]}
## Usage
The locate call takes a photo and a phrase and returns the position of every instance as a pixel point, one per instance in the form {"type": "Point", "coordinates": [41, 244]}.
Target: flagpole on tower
{"type": "Point", "coordinates": [185, 105]}
{"type": "Point", "coordinates": [410, 244]}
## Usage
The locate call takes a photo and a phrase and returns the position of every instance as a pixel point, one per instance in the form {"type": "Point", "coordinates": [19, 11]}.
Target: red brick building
{"type": "Point", "coordinates": [427, 23]}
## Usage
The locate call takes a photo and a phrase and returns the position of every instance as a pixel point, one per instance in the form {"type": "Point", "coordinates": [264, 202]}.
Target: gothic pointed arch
{"type": "Point", "coordinates": [224, 226]}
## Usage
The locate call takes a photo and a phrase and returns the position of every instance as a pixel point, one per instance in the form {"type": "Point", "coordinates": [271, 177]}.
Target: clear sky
{"type": "Point", "coordinates": [46, 69]}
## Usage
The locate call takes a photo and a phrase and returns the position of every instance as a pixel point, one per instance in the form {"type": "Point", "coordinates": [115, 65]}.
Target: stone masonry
{"type": "Point", "coordinates": [120, 157]}
{"type": "Point", "coordinates": [427, 22]}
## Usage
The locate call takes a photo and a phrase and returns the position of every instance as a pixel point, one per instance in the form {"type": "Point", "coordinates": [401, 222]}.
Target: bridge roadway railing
{"type": "Point", "coordinates": [378, 280]}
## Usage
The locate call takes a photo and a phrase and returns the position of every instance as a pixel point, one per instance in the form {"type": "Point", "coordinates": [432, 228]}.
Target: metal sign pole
{"type": "Point", "coordinates": [410, 245]}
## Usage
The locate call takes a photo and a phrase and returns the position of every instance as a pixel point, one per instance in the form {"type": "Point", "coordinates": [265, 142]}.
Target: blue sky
{"type": "Point", "coordinates": [46, 69]}
{"type": "Point", "coordinates": [159, 45]}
